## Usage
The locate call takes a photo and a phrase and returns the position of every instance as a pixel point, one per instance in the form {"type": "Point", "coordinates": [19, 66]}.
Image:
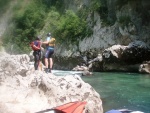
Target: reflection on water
{"type": "Point", "coordinates": [120, 90]}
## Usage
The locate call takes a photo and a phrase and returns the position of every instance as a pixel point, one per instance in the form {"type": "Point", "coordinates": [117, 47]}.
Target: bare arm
{"type": "Point", "coordinates": [46, 42]}
{"type": "Point", "coordinates": [36, 47]}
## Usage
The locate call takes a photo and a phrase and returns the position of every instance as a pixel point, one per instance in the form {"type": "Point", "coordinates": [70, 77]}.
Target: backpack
{"type": "Point", "coordinates": [52, 42]}
{"type": "Point", "coordinates": [33, 46]}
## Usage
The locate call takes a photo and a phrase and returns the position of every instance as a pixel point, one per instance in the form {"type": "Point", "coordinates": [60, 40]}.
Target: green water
{"type": "Point", "coordinates": [122, 90]}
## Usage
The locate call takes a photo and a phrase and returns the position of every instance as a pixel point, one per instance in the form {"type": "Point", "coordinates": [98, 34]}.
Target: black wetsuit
{"type": "Point", "coordinates": [37, 56]}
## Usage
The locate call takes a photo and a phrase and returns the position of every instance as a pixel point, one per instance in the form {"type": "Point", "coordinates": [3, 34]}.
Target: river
{"type": "Point", "coordinates": [121, 90]}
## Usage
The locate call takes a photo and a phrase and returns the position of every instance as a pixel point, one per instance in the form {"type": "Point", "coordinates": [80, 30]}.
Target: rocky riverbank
{"type": "Point", "coordinates": [134, 57]}
{"type": "Point", "coordinates": [24, 90]}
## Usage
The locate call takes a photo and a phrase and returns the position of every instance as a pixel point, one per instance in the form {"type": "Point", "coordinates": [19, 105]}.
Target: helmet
{"type": "Point", "coordinates": [48, 34]}
{"type": "Point", "coordinates": [38, 38]}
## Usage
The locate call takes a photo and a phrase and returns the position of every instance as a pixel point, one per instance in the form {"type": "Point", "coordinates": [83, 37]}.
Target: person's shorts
{"type": "Point", "coordinates": [37, 55]}
{"type": "Point", "coordinates": [49, 53]}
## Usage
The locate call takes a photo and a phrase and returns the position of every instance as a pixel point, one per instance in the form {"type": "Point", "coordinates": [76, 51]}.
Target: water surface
{"type": "Point", "coordinates": [120, 90]}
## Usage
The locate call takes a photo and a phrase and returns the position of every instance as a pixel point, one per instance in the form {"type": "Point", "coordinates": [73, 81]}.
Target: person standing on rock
{"type": "Point", "coordinates": [50, 44]}
{"type": "Point", "coordinates": [36, 47]}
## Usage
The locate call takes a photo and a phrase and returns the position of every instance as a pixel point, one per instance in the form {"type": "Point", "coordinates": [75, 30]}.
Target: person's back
{"type": "Point", "coordinates": [51, 43]}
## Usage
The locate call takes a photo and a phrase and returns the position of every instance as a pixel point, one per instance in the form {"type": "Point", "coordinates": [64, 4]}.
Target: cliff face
{"type": "Point", "coordinates": [131, 22]}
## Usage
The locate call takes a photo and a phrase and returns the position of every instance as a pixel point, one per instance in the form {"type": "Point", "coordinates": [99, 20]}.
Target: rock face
{"type": "Point", "coordinates": [26, 91]}
{"type": "Point", "coordinates": [130, 22]}
{"type": "Point", "coordinates": [124, 58]}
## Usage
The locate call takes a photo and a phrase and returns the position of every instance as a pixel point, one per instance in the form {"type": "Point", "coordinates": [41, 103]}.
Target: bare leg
{"type": "Point", "coordinates": [40, 66]}
{"type": "Point", "coordinates": [46, 62]}
{"type": "Point", "coordinates": [50, 64]}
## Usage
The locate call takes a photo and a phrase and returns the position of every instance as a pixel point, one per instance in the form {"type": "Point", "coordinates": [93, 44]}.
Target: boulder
{"type": "Point", "coordinates": [83, 69]}
{"type": "Point", "coordinates": [145, 67]}
{"type": "Point", "coordinates": [26, 91]}
{"type": "Point", "coordinates": [123, 58]}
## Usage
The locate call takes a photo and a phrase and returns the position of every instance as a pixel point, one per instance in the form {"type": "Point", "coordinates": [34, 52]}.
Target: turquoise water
{"type": "Point", "coordinates": [120, 90]}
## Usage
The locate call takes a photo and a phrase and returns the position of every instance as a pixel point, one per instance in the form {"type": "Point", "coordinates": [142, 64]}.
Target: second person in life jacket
{"type": "Point", "coordinates": [50, 44]}
{"type": "Point", "coordinates": [36, 47]}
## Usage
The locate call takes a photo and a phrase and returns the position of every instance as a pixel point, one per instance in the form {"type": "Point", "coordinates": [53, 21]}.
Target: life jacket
{"type": "Point", "coordinates": [33, 46]}
{"type": "Point", "coordinates": [52, 42]}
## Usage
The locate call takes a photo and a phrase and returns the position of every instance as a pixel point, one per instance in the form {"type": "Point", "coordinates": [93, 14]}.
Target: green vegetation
{"type": "Point", "coordinates": [120, 3]}
{"type": "Point", "coordinates": [71, 28]}
{"type": "Point", "coordinates": [99, 6]}
{"type": "Point", "coordinates": [124, 20]}
{"type": "Point", "coordinates": [67, 28]}
{"type": "Point", "coordinates": [95, 5]}
{"type": "Point", "coordinates": [27, 23]}
{"type": "Point", "coordinates": [38, 17]}
{"type": "Point", "coordinates": [41, 16]}
{"type": "Point", "coordinates": [4, 5]}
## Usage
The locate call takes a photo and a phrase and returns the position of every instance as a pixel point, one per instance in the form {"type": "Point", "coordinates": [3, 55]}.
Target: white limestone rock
{"type": "Point", "coordinates": [27, 91]}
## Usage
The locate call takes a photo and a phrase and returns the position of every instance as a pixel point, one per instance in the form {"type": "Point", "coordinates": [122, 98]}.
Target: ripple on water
{"type": "Point", "coordinates": [122, 90]}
